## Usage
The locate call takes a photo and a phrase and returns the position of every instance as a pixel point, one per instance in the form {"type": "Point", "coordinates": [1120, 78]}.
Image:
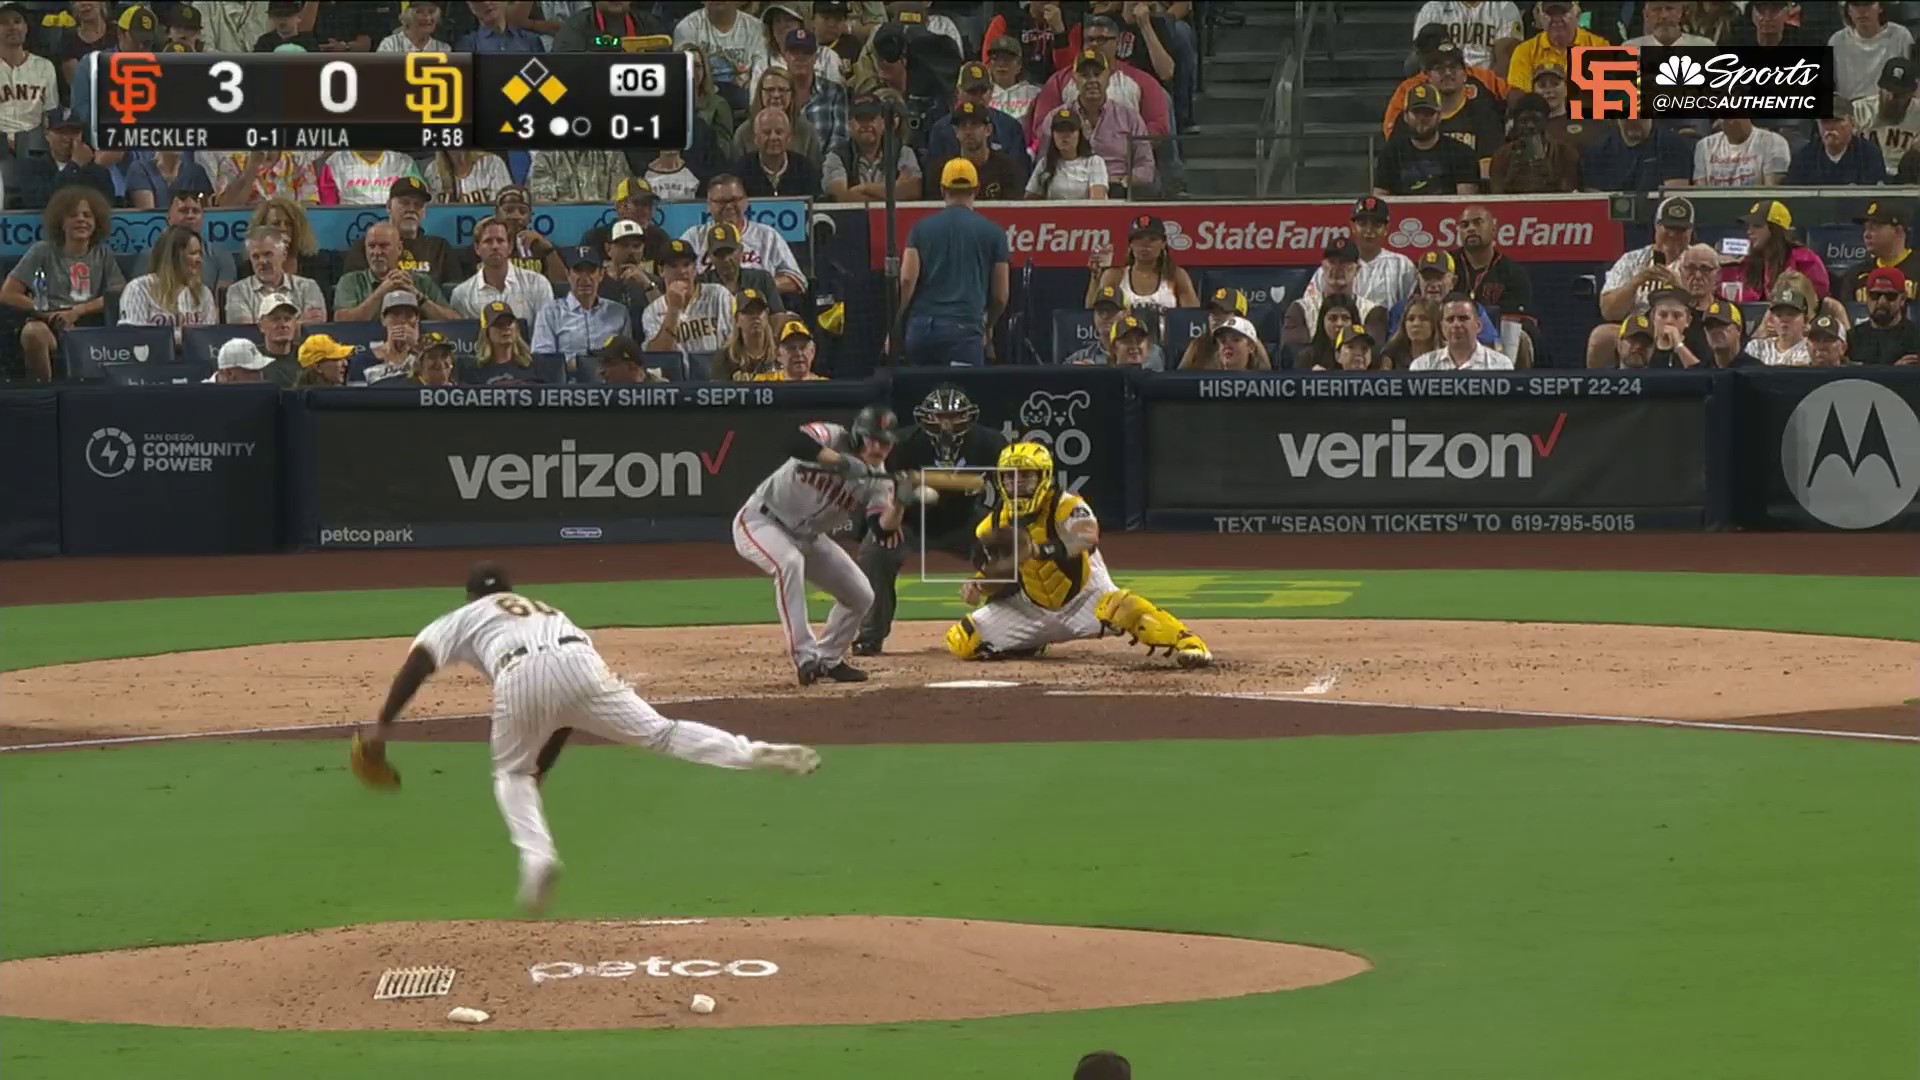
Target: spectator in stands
{"type": "Point", "coordinates": [1741, 155]}
{"type": "Point", "coordinates": [762, 246]}
{"type": "Point", "coordinates": [823, 102]}
{"type": "Point", "coordinates": [435, 365]}
{"type": "Point", "coordinates": [1637, 156]}
{"type": "Point", "coordinates": [633, 200]}
{"type": "Point", "coordinates": [780, 17]}
{"type": "Point", "coordinates": [1782, 341]}
{"type": "Point", "coordinates": [62, 281]}
{"type": "Point", "coordinates": [1236, 347]}
{"type": "Point", "coordinates": [748, 352]}
{"type": "Point", "coordinates": [151, 179]}
{"type": "Point", "coordinates": [1491, 278]}
{"type": "Point", "coordinates": [835, 30]}
{"type": "Point", "coordinates": [90, 31]}
{"type": "Point", "coordinates": [1339, 275]}
{"type": "Point", "coordinates": [775, 91]}
{"type": "Point", "coordinates": [614, 17]}
{"type": "Point", "coordinates": [184, 31]}
{"type": "Point", "coordinates": [494, 35]}
{"type": "Point", "coordinates": [576, 175]}
{"type": "Point", "coordinates": [1863, 47]}
{"type": "Point", "coordinates": [669, 177]}
{"type": "Point", "coordinates": [396, 356]}
{"type": "Point", "coordinates": [1439, 278]}
{"type": "Point", "coordinates": [173, 294]}
{"type": "Point", "coordinates": [796, 350]}
{"type": "Point", "coordinates": [621, 363]}
{"type": "Point", "coordinates": [771, 171]}
{"type": "Point", "coordinates": [1827, 342]}
{"type": "Point", "coordinates": [735, 44]}
{"type": "Point", "coordinates": [418, 23]}
{"type": "Point", "coordinates": [1125, 84]}
{"type": "Point", "coordinates": [531, 251]}
{"type": "Point", "coordinates": [1531, 162]}
{"type": "Point", "coordinates": [1467, 112]}
{"type": "Point", "coordinates": [954, 278]}
{"type": "Point", "coordinates": [1354, 352]}
{"type": "Point", "coordinates": [244, 178]}
{"type": "Point", "coordinates": [69, 162]}
{"type": "Point", "coordinates": [1486, 30]}
{"type": "Point", "coordinates": [1550, 82]}
{"type": "Point", "coordinates": [1224, 304]}
{"type": "Point", "coordinates": [467, 176]}
{"type": "Point", "coordinates": [1679, 334]}
{"type": "Point", "coordinates": [500, 354]}
{"type": "Point", "coordinates": [283, 28]}
{"type": "Point", "coordinates": [1150, 279]}
{"type": "Point", "coordinates": [268, 254]}
{"type": "Point", "coordinates": [368, 178]}
{"type": "Point", "coordinates": [1040, 37]}
{"type": "Point", "coordinates": [1562, 34]}
{"type": "Point", "coordinates": [323, 363]}
{"type": "Point", "coordinates": [1425, 43]}
{"type": "Point", "coordinates": [1888, 119]}
{"type": "Point", "coordinates": [1069, 169]}
{"type": "Point", "coordinates": [1012, 93]}
{"type": "Point", "coordinates": [1384, 277]}
{"type": "Point", "coordinates": [1666, 25]}
{"type": "Point", "coordinates": [280, 330]}
{"type": "Point", "coordinates": [497, 279]}
{"type": "Point", "coordinates": [1338, 314]}
{"type": "Point", "coordinates": [709, 104]}
{"type": "Point", "coordinates": [1767, 23]}
{"type": "Point", "coordinates": [407, 199]}
{"type": "Point", "coordinates": [138, 31]}
{"type": "Point", "coordinates": [239, 360]}
{"type": "Point", "coordinates": [1419, 160]}
{"type": "Point", "coordinates": [1107, 307]}
{"type": "Point", "coordinates": [1884, 229]}
{"type": "Point", "coordinates": [187, 209]}
{"type": "Point", "coordinates": [1117, 132]}
{"type": "Point", "coordinates": [1461, 349]}
{"type": "Point", "coordinates": [1715, 20]}
{"type": "Point", "coordinates": [1637, 338]}
{"type": "Point", "coordinates": [287, 216]}
{"type": "Point", "coordinates": [857, 172]}
{"type": "Point", "coordinates": [724, 269]}
{"type": "Point", "coordinates": [627, 279]}
{"type": "Point", "coordinates": [32, 83]}
{"type": "Point", "coordinates": [357, 297]}
{"type": "Point", "coordinates": [1725, 328]}
{"type": "Point", "coordinates": [1886, 335]}
{"type": "Point", "coordinates": [1131, 345]}
{"type": "Point", "coordinates": [1419, 334]}
{"type": "Point", "coordinates": [1771, 251]}
{"type": "Point", "coordinates": [690, 315]}
{"type": "Point", "coordinates": [1839, 157]}
{"type": "Point", "coordinates": [1006, 136]}
{"type": "Point", "coordinates": [1637, 273]}
{"type": "Point", "coordinates": [575, 324]}
{"type": "Point", "coordinates": [1001, 177]}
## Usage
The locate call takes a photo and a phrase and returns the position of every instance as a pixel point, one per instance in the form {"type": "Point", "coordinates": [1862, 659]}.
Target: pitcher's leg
{"type": "Point", "coordinates": [830, 567]}
{"type": "Point", "coordinates": [617, 713]}
{"type": "Point", "coordinates": [770, 548]}
{"type": "Point", "coordinates": [520, 728]}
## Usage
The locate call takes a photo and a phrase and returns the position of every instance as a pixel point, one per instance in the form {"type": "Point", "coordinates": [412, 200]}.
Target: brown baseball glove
{"type": "Point", "coordinates": [368, 759]}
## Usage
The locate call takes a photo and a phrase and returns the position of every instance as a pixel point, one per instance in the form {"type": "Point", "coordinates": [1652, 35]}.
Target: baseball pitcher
{"type": "Point", "coordinates": [944, 437]}
{"type": "Point", "coordinates": [834, 474]}
{"type": "Point", "coordinates": [547, 679]}
{"type": "Point", "coordinates": [1046, 542]}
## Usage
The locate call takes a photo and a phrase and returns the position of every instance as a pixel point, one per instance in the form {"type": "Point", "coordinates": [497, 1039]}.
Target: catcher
{"type": "Point", "coordinates": [1064, 592]}
{"type": "Point", "coordinates": [944, 437]}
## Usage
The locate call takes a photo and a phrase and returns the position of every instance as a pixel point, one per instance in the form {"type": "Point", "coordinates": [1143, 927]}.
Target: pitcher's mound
{"type": "Point", "coordinates": [548, 975]}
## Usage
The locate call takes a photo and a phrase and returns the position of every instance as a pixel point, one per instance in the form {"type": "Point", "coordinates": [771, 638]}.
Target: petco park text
{"type": "Point", "coordinates": [658, 967]}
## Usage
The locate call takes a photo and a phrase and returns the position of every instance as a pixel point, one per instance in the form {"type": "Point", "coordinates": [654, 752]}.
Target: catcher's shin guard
{"type": "Point", "coordinates": [1124, 611]}
{"type": "Point", "coordinates": [963, 640]}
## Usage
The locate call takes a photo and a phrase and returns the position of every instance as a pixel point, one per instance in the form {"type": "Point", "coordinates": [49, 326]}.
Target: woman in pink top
{"type": "Point", "coordinates": [1771, 252]}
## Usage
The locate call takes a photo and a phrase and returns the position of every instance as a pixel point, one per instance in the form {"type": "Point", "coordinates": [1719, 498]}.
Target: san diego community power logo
{"type": "Point", "coordinates": [1851, 454]}
{"type": "Point", "coordinates": [112, 452]}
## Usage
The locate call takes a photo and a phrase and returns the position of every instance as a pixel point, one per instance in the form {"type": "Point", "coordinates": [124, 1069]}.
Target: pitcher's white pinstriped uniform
{"type": "Point", "coordinates": [782, 530]}
{"type": "Point", "coordinates": [546, 676]}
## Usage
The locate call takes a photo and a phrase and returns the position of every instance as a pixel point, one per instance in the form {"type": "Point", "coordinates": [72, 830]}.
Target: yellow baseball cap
{"type": "Point", "coordinates": [1128, 325]}
{"type": "Point", "coordinates": [1768, 211]}
{"type": "Point", "coordinates": [960, 175]}
{"type": "Point", "coordinates": [320, 348]}
{"type": "Point", "coordinates": [795, 328]}
{"type": "Point", "coordinates": [633, 187]}
{"type": "Point", "coordinates": [749, 297]}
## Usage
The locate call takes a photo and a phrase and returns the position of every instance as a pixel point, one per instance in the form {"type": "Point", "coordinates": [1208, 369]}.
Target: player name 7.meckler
{"type": "Point", "coordinates": [155, 138]}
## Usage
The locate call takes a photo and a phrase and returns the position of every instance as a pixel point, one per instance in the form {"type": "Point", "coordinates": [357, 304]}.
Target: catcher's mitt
{"type": "Point", "coordinates": [368, 759]}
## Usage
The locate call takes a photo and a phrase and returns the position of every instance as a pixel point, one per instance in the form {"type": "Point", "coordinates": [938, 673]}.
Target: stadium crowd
{"type": "Point", "coordinates": [989, 101]}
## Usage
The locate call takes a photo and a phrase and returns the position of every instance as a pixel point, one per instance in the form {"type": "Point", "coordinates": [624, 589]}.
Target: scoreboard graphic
{"type": "Point", "coordinates": [383, 101]}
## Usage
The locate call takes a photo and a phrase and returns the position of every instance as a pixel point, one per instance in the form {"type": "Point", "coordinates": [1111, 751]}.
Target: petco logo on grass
{"type": "Point", "coordinates": [658, 967]}
{"type": "Point", "coordinates": [1417, 455]}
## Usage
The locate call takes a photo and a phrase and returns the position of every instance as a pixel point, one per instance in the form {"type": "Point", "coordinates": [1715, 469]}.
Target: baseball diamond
{"type": "Point", "coordinates": [1433, 785]}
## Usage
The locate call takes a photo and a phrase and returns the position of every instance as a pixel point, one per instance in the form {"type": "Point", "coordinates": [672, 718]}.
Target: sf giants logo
{"type": "Point", "coordinates": [1606, 81]}
{"type": "Point", "coordinates": [136, 84]}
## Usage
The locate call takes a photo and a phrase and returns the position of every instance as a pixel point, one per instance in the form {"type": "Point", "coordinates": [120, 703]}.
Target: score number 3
{"type": "Point", "coordinates": [227, 74]}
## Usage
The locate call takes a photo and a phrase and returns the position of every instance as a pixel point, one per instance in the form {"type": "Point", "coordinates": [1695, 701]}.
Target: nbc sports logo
{"type": "Point", "coordinates": [1680, 70]}
{"type": "Point", "coordinates": [1411, 233]}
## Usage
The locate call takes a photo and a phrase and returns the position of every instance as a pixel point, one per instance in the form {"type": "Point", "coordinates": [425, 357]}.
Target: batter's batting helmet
{"type": "Point", "coordinates": [876, 422]}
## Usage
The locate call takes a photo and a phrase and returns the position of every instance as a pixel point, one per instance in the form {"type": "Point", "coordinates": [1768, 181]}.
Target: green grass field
{"type": "Point", "coordinates": [1563, 903]}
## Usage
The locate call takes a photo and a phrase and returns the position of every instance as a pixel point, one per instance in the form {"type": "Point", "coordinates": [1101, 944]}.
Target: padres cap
{"type": "Point", "coordinates": [1355, 333]}
{"type": "Point", "coordinates": [1724, 311]}
{"type": "Point", "coordinates": [618, 349]}
{"type": "Point", "coordinates": [1146, 225]}
{"type": "Point", "coordinates": [1675, 211]}
{"type": "Point", "coordinates": [677, 251]}
{"type": "Point", "coordinates": [1435, 262]}
{"type": "Point", "coordinates": [1900, 75]}
{"type": "Point", "coordinates": [1229, 299]}
{"type": "Point", "coordinates": [627, 230]}
{"type": "Point", "coordinates": [1128, 325]}
{"type": "Point", "coordinates": [434, 339]}
{"type": "Point", "coordinates": [1828, 327]}
{"type": "Point", "coordinates": [320, 348]}
{"type": "Point", "coordinates": [1886, 279]}
{"type": "Point", "coordinates": [1108, 296]}
{"type": "Point", "coordinates": [1883, 213]}
{"type": "Point", "coordinates": [971, 112]}
{"type": "Point", "coordinates": [1430, 36]}
{"type": "Point", "coordinates": [137, 21]}
{"type": "Point", "coordinates": [973, 76]}
{"type": "Point", "coordinates": [795, 329]}
{"type": "Point", "coordinates": [1065, 119]}
{"type": "Point", "coordinates": [723, 236]}
{"type": "Point", "coordinates": [959, 175]}
{"type": "Point", "coordinates": [494, 312]}
{"type": "Point", "coordinates": [1550, 68]}
{"type": "Point", "coordinates": [1090, 58]}
{"type": "Point", "coordinates": [634, 187]}
{"type": "Point", "coordinates": [184, 17]}
{"type": "Point", "coordinates": [409, 187]}
{"type": "Point", "coordinates": [1370, 208]}
{"type": "Point", "coordinates": [750, 298]}
{"type": "Point", "coordinates": [1423, 96]}
{"type": "Point", "coordinates": [1445, 54]}
{"type": "Point", "coordinates": [1786, 296]}
{"type": "Point", "coordinates": [1636, 326]}
{"type": "Point", "coordinates": [1767, 211]}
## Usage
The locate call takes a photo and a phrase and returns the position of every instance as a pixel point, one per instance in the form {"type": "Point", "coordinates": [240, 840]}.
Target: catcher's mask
{"type": "Point", "coordinates": [1024, 475]}
{"type": "Point", "coordinates": [945, 415]}
{"type": "Point", "coordinates": [876, 422]}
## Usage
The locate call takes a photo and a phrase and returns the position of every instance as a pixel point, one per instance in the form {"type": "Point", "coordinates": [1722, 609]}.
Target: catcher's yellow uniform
{"type": "Point", "coordinates": [1060, 596]}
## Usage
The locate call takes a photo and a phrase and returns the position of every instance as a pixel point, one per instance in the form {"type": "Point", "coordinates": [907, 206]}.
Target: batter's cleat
{"type": "Point", "coordinates": [845, 672]}
{"type": "Point", "coordinates": [536, 886]}
{"type": "Point", "coordinates": [1191, 652]}
{"type": "Point", "coordinates": [809, 672]}
{"type": "Point", "coordinates": [866, 648]}
{"type": "Point", "coordinates": [786, 757]}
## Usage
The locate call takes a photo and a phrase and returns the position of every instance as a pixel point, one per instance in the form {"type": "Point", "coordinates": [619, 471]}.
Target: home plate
{"type": "Point", "coordinates": [971, 684]}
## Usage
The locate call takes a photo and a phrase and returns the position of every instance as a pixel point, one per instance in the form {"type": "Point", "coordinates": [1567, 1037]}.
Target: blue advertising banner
{"type": "Point", "coordinates": [339, 227]}
{"type": "Point", "coordinates": [1827, 452]}
{"type": "Point", "coordinates": [30, 499]}
{"type": "Point", "coordinates": [176, 470]}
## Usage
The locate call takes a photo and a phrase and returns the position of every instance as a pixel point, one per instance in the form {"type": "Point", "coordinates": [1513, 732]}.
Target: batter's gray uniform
{"type": "Point", "coordinates": [783, 530]}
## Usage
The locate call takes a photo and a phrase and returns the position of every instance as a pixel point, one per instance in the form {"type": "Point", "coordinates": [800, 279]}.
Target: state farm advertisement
{"type": "Point", "coordinates": [1576, 228]}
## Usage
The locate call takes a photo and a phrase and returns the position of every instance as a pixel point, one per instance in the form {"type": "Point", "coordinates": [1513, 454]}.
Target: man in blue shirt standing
{"type": "Point", "coordinates": [953, 278]}
{"type": "Point", "coordinates": [495, 36]}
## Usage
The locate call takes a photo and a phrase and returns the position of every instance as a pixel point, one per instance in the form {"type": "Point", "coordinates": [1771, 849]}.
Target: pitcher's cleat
{"type": "Point", "coordinates": [786, 757]}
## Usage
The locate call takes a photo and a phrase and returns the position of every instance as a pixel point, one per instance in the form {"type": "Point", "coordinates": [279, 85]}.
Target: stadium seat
{"type": "Point", "coordinates": [464, 333]}
{"type": "Point", "coordinates": [87, 350]}
{"type": "Point", "coordinates": [1266, 287]}
{"type": "Point", "coordinates": [1183, 325]}
{"type": "Point", "coordinates": [199, 343]}
{"type": "Point", "coordinates": [1753, 311]}
{"type": "Point", "coordinates": [349, 333]}
{"type": "Point", "coordinates": [1072, 329]}
{"type": "Point", "coordinates": [170, 373]}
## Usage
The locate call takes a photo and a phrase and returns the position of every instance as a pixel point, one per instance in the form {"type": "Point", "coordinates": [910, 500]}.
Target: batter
{"type": "Point", "coordinates": [547, 679]}
{"type": "Point", "coordinates": [1049, 541]}
{"type": "Point", "coordinates": [833, 474]}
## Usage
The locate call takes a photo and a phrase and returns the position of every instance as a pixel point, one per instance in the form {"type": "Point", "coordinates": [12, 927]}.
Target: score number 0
{"type": "Point", "coordinates": [339, 87]}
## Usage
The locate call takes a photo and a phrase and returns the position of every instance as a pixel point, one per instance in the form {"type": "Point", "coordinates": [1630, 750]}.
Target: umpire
{"type": "Point", "coordinates": [944, 436]}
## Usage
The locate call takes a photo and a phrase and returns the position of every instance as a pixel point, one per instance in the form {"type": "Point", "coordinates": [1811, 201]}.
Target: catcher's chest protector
{"type": "Point", "coordinates": [1050, 583]}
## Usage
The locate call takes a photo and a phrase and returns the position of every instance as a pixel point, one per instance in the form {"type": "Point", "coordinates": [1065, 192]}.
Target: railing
{"type": "Point", "coordinates": [1282, 114]}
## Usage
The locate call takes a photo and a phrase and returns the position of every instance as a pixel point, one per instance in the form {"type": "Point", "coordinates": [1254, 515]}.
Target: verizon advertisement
{"type": "Point", "coordinates": [446, 477]}
{"type": "Point", "coordinates": [1410, 454]}
{"type": "Point", "coordinates": [1572, 228]}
